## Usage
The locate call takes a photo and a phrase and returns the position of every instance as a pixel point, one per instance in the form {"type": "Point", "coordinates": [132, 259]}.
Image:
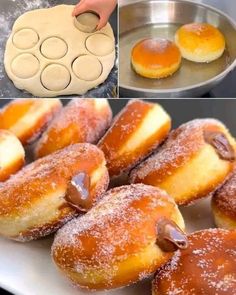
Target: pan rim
{"type": "Point", "coordinates": [216, 78]}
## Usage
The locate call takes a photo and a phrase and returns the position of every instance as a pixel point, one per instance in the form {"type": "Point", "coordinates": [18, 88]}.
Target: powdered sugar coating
{"type": "Point", "coordinates": [180, 146]}
{"type": "Point", "coordinates": [119, 227]}
{"type": "Point", "coordinates": [82, 120]}
{"type": "Point", "coordinates": [208, 266]}
{"type": "Point", "coordinates": [44, 183]}
{"type": "Point", "coordinates": [225, 197]}
{"type": "Point", "coordinates": [127, 141]}
{"type": "Point", "coordinates": [27, 118]}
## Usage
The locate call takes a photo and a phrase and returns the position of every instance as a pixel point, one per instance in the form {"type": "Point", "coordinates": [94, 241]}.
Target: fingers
{"type": "Point", "coordinates": [103, 21]}
{"type": "Point", "coordinates": [79, 8]}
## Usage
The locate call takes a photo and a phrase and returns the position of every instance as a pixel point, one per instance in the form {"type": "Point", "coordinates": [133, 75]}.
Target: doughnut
{"type": "Point", "coordinates": [26, 118]}
{"type": "Point", "coordinates": [50, 191]}
{"type": "Point", "coordinates": [131, 232]}
{"type": "Point", "coordinates": [224, 204]}
{"type": "Point", "coordinates": [12, 154]}
{"type": "Point", "coordinates": [200, 42]}
{"type": "Point", "coordinates": [82, 120]}
{"type": "Point", "coordinates": [155, 58]}
{"type": "Point", "coordinates": [207, 266]}
{"type": "Point", "coordinates": [196, 158]}
{"type": "Point", "coordinates": [136, 131]}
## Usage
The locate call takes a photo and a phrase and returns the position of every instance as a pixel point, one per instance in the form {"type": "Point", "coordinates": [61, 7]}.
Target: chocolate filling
{"type": "Point", "coordinates": [170, 237]}
{"type": "Point", "coordinates": [78, 192]}
{"type": "Point", "coordinates": [221, 144]}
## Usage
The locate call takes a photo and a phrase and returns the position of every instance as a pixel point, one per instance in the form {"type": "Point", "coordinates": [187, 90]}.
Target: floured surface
{"type": "Point", "coordinates": [71, 43]}
{"type": "Point", "coordinates": [10, 10]}
{"type": "Point", "coordinates": [27, 269]}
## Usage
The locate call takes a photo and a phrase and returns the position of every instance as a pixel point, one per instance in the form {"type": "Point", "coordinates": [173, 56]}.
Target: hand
{"type": "Point", "coordinates": [103, 8]}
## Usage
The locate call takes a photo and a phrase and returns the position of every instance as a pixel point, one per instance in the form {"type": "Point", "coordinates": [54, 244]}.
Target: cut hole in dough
{"type": "Point", "coordinates": [55, 77]}
{"type": "Point", "coordinates": [87, 67]}
{"type": "Point", "coordinates": [99, 44]}
{"type": "Point", "coordinates": [25, 65]}
{"type": "Point", "coordinates": [25, 39]}
{"type": "Point", "coordinates": [54, 48]}
{"type": "Point", "coordinates": [87, 22]}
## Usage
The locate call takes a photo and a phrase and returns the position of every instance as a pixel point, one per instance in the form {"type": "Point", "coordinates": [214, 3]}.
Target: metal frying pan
{"type": "Point", "coordinates": [159, 18]}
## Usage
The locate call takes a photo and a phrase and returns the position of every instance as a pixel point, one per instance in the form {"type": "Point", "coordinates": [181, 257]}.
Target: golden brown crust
{"type": "Point", "coordinates": [26, 118]}
{"type": "Point", "coordinates": [122, 157]}
{"type": "Point", "coordinates": [12, 154]}
{"type": "Point", "coordinates": [13, 168]}
{"type": "Point", "coordinates": [32, 202]}
{"type": "Point", "coordinates": [200, 42]}
{"type": "Point", "coordinates": [96, 250]}
{"type": "Point", "coordinates": [181, 147]}
{"type": "Point", "coordinates": [82, 120]}
{"type": "Point", "coordinates": [207, 266]}
{"type": "Point", "coordinates": [156, 53]}
{"type": "Point", "coordinates": [224, 199]}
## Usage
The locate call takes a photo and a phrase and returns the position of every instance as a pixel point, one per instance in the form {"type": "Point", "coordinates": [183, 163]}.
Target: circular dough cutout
{"type": "Point", "coordinates": [25, 39]}
{"type": "Point", "coordinates": [87, 22]}
{"type": "Point", "coordinates": [99, 44]}
{"type": "Point", "coordinates": [25, 65]}
{"type": "Point", "coordinates": [55, 77]}
{"type": "Point", "coordinates": [54, 48]}
{"type": "Point", "coordinates": [87, 67]}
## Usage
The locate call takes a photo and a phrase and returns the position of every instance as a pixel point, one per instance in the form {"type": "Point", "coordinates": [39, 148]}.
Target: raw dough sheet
{"type": "Point", "coordinates": [47, 55]}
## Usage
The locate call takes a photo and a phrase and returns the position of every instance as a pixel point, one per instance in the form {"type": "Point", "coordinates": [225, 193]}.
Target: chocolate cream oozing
{"type": "Point", "coordinates": [221, 145]}
{"type": "Point", "coordinates": [78, 192]}
{"type": "Point", "coordinates": [170, 237]}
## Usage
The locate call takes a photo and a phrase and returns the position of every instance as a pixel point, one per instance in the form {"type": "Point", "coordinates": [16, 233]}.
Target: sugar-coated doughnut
{"type": "Point", "coordinates": [136, 131]}
{"type": "Point", "coordinates": [224, 204]}
{"type": "Point", "coordinates": [50, 191]}
{"type": "Point", "coordinates": [196, 158]}
{"type": "Point", "coordinates": [27, 118]}
{"type": "Point", "coordinates": [206, 267]}
{"type": "Point", "coordinates": [82, 120]}
{"type": "Point", "coordinates": [130, 233]}
{"type": "Point", "coordinates": [12, 154]}
{"type": "Point", "coordinates": [200, 42]}
{"type": "Point", "coordinates": [155, 58]}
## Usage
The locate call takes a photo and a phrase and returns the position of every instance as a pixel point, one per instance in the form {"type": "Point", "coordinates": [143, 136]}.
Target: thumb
{"type": "Point", "coordinates": [103, 21]}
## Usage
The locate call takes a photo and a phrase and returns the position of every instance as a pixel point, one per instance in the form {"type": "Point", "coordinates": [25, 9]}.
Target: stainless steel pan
{"type": "Point", "coordinates": [159, 18]}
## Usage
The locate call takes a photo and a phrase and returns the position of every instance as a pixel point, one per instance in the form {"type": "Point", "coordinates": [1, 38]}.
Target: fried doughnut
{"type": "Point", "coordinates": [224, 204]}
{"type": "Point", "coordinates": [12, 154]}
{"type": "Point", "coordinates": [124, 238]}
{"type": "Point", "coordinates": [82, 120]}
{"type": "Point", "coordinates": [196, 158]}
{"type": "Point", "coordinates": [27, 117]}
{"type": "Point", "coordinates": [200, 42]}
{"type": "Point", "coordinates": [155, 58]}
{"type": "Point", "coordinates": [50, 191]}
{"type": "Point", "coordinates": [137, 130]}
{"type": "Point", "coordinates": [207, 266]}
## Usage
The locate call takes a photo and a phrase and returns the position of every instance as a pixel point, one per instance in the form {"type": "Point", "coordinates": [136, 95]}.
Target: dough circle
{"type": "Point", "coordinates": [25, 39]}
{"type": "Point", "coordinates": [25, 65]}
{"type": "Point", "coordinates": [87, 22]}
{"type": "Point", "coordinates": [55, 77]}
{"type": "Point", "coordinates": [54, 48]}
{"type": "Point", "coordinates": [87, 67]}
{"type": "Point", "coordinates": [99, 44]}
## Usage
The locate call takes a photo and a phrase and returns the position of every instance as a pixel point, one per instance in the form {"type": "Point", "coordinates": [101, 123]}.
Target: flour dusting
{"type": "Point", "coordinates": [10, 11]}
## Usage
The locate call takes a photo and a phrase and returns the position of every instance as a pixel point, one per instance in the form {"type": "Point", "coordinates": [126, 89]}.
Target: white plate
{"type": "Point", "coordinates": [27, 269]}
